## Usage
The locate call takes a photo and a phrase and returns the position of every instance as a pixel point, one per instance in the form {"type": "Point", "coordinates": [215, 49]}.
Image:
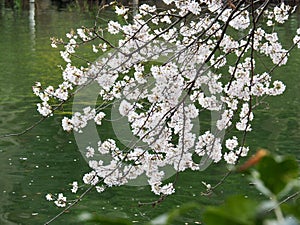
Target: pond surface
{"type": "Point", "coordinates": [46, 159]}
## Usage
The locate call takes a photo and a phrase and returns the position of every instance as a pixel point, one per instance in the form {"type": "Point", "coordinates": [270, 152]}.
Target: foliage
{"type": "Point", "coordinates": [275, 177]}
{"type": "Point", "coordinates": [90, 218]}
{"type": "Point", "coordinates": [276, 174]}
{"type": "Point", "coordinates": [238, 210]}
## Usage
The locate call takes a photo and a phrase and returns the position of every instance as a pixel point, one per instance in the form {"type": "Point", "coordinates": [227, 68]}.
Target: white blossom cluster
{"type": "Point", "coordinates": [278, 14]}
{"type": "Point", "coordinates": [296, 39]}
{"type": "Point", "coordinates": [80, 120]}
{"type": "Point", "coordinates": [162, 73]}
{"type": "Point", "coordinates": [60, 200]}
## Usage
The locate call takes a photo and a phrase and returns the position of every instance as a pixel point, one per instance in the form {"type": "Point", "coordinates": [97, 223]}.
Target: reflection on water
{"type": "Point", "coordinates": [32, 22]}
{"type": "Point", "coordinates": [29, 163]}
{"type": "Point", "coordinates": [46, 159]}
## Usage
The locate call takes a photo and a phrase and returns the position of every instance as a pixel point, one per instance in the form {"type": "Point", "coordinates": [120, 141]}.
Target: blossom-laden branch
{"type": "Point", "coordinates": [161, 69]}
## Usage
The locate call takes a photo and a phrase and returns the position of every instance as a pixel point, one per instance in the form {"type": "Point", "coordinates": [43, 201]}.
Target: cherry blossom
{"type": "Point", "coordinates": [167, 68]}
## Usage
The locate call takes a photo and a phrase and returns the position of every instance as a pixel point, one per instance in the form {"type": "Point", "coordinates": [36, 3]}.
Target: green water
{"type": "Point", "coordinates": [46, 159]}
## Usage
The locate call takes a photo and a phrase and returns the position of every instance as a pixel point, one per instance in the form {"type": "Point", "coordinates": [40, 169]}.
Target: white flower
{"type": "Point", "coordinates": [82, 34]}
{"type": "Point", "coordinates": [37, 88]}
{"type": "Point", "coordinates": [165, 19]}
{"type": "Point", "coordinates": [74, 187]}
{"type": "Point", "coordinates": [194, 7]}
{"type": "Point", "coordinates": [107, 146]}
{"type": "Point", "coordinates": [61, 93]}
{"type": "Point", "coordinates": [49, 90]}
{"type": "Point", "coordinates": [89, 113]}
{"type": "Point", "coordinates": [231, 143]}
{"type": "Point", "coordinates": [90, 178]}
{"type": "Point", "coordinates": [281, 13]}
{"type": "Point", "coordinates": [49, 197]}
{"type": "Point", "coordinates": [67, 124]}
{"type": "Point", "coordinates": [121, 10]}
{"type": "Point", "coordinates": [225, 120]}
{"type": "Point", "coordinates": [100, 189]}
{"type": "Point", "coordinates": [208, 186]}
{"type": "Point", "coordinates": [90, 152]}
{"type": "Point", "coordinates": [103, 47]}
{"type": "Point", "coordinates": [66, 56]}
{"type": "Point", "coordinates": [125, 108]}
{"type": "Point", "coordinates": [113, 27]}
{"type": "Point", "coordinates": [44, 96]}
{"type": "Point", "coordinates": [278, 88]}
{"type": "Point", "coordinates": [61, 200]}
{"type": "Point", "coordinates": [95, 49]}
{"type": "Point", "coordinates": [145, 9]}
{"type": "Point", "coordinates": [210, 145]}
{"type": "Point", "coordinates": [242, 151]}
{"type": "Point", "coordinates": [74, 75]}
{"type": "Point", "coordinates": [44, 109]}
{"type": "Point", "coordinates": [168, 2]}
{"type": "Point", "coordinates": [243, 126]}
{"type": "Point", "coordinates": [230, 157]}
{"type": "Point", "coordinates": [69, 35]}
{"type": "Point", "coordinates": [270, 23]}
{"type": "Point", "coordinates": [296, 40]}
{"type": "Point", "coordinates": [98, 118]}
{"type": "Point", "coordinates": [167, 189]}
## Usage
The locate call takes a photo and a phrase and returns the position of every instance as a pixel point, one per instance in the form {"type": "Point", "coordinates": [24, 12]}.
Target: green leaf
{"type": "Point", "coordinates": [103, 220]}
{"type": "Point", "coordinates": [160, 220]}
{"type": "Point", "coordinates": [170, 218]}
{"type": "Point", "coordinates": [173, 215]}
{"type": "Point", "coordinates": [236, 210]}
{"type": "Point", "coordinates": [276, 173]}
{"type": "Point", "coordinates": [293, 208]}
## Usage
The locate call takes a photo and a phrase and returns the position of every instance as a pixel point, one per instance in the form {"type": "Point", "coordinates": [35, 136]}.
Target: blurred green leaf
{"type": "Point", "coordinates": [160, 220]}
{"type": "Point", "coordinates": [170, 217]}
{"type": "Point", "coordinates": [276, 173]}
{"type": "Point", "coordinates": [173, 215]}
{"type": "Point", "coordinates": [287, 221]}
{"type": "Point", "coordinates": [293, 208]}
{"type": "Point", "coordinates": [103, 220]}
{"type": "Point", "coordinates": [237, 210]}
